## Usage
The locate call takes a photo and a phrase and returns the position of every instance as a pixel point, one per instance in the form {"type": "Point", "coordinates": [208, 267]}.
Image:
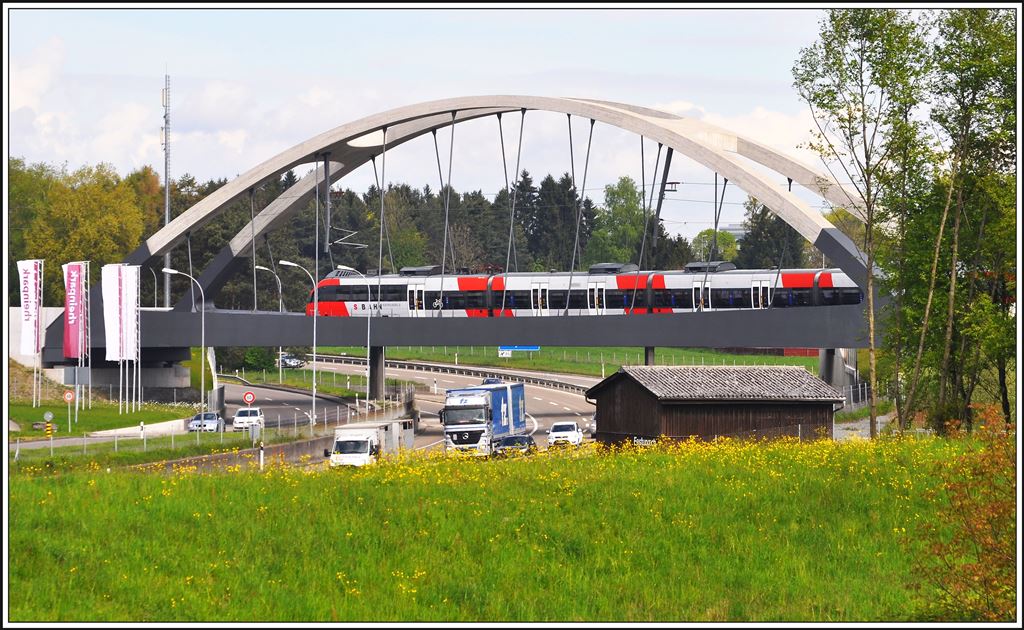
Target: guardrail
{"type": "Point", "coordinates": [451, 369]}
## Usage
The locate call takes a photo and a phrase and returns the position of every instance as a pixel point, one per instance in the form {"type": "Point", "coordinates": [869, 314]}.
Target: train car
{"type": "Point", "coordinates": [606, 289]}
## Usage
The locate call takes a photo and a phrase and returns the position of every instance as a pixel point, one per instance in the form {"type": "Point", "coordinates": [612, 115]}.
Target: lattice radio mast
{"type": "Point", "coordinates": [165, 133]}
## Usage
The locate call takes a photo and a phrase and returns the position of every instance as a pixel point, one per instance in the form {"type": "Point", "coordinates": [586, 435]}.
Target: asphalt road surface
{"type": "Point", "coordinates": [544, 406]}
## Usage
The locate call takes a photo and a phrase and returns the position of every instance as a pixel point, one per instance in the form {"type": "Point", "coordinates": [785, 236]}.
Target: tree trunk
{"type": "Point", "coordinates": [909, 406]}
{"type": "Point", "coordinates": [948, 345]}
{"type": "Point", "coordinates": [1004, 394]}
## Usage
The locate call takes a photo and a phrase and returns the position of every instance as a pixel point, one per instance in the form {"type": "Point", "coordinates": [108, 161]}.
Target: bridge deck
{"type": "Point", "coordinates": [812, 327]}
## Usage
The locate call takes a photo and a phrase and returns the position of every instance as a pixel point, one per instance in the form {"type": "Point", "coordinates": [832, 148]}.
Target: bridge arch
{"type": "Point", "coordinates": [353, 144]}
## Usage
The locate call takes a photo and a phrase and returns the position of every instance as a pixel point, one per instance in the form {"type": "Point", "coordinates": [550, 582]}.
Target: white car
{"type": "Point", "coordinates": [246, 417]}
{"type": "Point", "coordinates": [565, 433]}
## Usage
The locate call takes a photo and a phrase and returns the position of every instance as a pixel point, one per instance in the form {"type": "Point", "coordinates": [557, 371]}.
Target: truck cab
{"type": "Point", "coordinates": [365, 443]}
{"type": "Point", "coordinates": [474, 418]}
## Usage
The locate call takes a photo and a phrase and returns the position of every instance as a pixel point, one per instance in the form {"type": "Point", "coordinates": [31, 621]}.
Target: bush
{"type": "Point", "coordinates": [968, 562]}
{"type": "Point", "coordinates": [260, 359]}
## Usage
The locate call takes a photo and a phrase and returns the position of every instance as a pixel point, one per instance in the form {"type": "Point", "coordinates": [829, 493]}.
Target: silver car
{"type": "Point", "coordinates": [208, 422]}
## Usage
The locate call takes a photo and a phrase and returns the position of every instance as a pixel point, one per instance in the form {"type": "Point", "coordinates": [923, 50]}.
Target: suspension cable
{"type": "Point", "coordinates": [252, 225]}
{"type": "Point", "coordinates": [380, 244]}
{"type": "Point", "coordinates": [387, 232]}
{"type": "Point", "coordinates": [447, 200]}
{"type": "Point", "coordinates": [512, 209]}
{"type": "Point", "coordinates": [579, 214]}
{"type": "Point", "coordinates": [782, 257]}
{"type": "Point", "coordinates": [188, 242]}
{"type": "Point", "coordinates": [327, 208]}
{"type": "Point", "coordinates": [714, 238]}
{"type": "Point", "coordinates": [647, 217]}
{"type": "Point", "coordinates": [440, 177]}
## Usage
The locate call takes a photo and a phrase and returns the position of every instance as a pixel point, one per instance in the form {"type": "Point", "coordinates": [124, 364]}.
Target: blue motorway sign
{"type": "Point", "coordinates": [520, 348]}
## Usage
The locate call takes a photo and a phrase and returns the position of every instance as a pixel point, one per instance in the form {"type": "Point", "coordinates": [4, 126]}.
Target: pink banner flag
{"type": "Point", "coordinates": [74, 314]}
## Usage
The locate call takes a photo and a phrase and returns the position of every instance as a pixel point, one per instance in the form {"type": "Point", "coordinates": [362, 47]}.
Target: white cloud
{"type": "Point", "coordinates": [31, 79]}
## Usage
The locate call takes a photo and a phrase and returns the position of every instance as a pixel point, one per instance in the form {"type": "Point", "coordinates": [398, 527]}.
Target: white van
{"type": "Point", "coordinates": [246, 417]}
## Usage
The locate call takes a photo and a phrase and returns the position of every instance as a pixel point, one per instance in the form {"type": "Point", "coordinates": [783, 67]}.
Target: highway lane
{"type": "Point", "coordinates": [544, 406]}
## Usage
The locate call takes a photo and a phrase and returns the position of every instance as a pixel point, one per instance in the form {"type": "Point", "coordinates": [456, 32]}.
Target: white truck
{"type": "Point", "coordinates": [363, 443]}
{"type": "Point", "coordinates": [476, 417]}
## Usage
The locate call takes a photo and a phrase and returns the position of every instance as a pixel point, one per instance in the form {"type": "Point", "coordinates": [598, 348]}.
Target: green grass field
{"type": "Point", "coordinates": [102, 416]}
{"type": "Point", "coordinates": [328, 382]}
{"type": "Point", "coordinates": [571, 360]}
{"type": "Point", "coordinates": [698, 532]}
{"type": "Point", "coordinates": [131, 451]}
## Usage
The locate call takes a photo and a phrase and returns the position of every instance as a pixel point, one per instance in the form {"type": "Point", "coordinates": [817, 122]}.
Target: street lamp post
{"type": "Point", "coordinates": [369, 316]}
{"type": "Point", "coordinates": [202, 352]}
{"type": "Point", "coordinates": [316, 308]}
{"type": "Point", "coordinates": [156, 288]}
{"type": "Point", "coordinates": [280, 309]}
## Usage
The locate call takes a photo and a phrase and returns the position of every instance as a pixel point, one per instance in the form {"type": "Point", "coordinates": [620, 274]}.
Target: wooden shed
{"type": "Point", "coordinates": [640, 403]}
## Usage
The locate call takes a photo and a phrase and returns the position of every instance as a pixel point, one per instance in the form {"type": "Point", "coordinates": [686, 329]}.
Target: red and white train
{"type": "Point", "coordinates": [606, 289]}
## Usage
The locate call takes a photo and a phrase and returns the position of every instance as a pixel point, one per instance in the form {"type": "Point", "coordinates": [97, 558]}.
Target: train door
{"type": "Point", "coordinates": [760, 294]}
{"type": "Point", "coordinates": [539, 298]}
{"type": "Point", "coordinates": [415, 292]}
{"type": "Point", "coordinates": [701, 296]}
{"type": "Point", "coordinates": [595, 298]}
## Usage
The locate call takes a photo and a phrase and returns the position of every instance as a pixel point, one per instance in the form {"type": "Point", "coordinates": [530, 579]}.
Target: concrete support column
{"type": "Point", "coordinates": [649, 355]}
{"type": "Point", "coordinates": [376, 391]}
{"type": "Point", "coordinates": [826, 365]}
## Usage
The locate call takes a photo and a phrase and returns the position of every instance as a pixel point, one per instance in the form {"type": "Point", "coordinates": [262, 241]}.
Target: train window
{"type": "Point", "coordinates": [326, 294]}
{"type": "Point", "coordinates": [476, 299]}
{"type": "Point", "coordinates": [513, 299]}
{"type": "Point", "coordinates": [623, 298]}
{"type": "Point", "coordinates": [392, 292]}
{"type": "Point", "coordinates": [852, 296]}
{"type": "Point", "coordinates": [577, 299]}
{"type": "Point", "coordinates": [829, 296]}
{"type": "Point", "coordinates": [730, 298]}
{"type": "Point", "coordinates": [782, 298]}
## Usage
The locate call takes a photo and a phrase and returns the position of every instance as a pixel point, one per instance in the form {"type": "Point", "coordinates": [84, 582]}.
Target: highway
{"type": "Point", "coordinates": [544, 406]}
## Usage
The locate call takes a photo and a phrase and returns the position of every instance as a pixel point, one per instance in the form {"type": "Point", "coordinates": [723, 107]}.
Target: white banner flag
{"type": "Point", "coordinates": [110, 276]}
{"type": "Point", "coordinates": [130, 311]}
{"type": "Point", "coordinates": [31, 283]}
{"type": "Point", "coordinates": [121, 311]}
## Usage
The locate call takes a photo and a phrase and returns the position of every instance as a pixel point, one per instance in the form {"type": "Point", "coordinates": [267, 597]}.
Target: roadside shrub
{"type": "Point", "coordinates": [967, 564]}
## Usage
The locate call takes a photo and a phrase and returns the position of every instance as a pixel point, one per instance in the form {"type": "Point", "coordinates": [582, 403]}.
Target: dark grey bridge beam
{"type": "Point", "coordinates": [812, 327]}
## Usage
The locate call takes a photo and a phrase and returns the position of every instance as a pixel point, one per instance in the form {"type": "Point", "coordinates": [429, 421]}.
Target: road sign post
{"type": "Point", "coordinates": [68, 397]}
{"type": "Point", "coordinates": [49, 429]}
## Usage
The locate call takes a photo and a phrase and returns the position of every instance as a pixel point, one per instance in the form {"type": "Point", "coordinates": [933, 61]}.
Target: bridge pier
{"type": "Point", "coordinates": [648, 355]}
{"type": "Point", "coordinates": [375, 388]}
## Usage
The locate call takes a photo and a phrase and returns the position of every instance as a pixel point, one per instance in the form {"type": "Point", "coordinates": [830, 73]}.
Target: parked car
{"type": "Point", "coordinates": [514, 445]}
{"type": "Point", "coordinates": [291, 361]}
{"type": "Point", "coordinates": [246, 417]}
{"type": "Point", "coordinates": [208, 422]}
{"type": "Point", "coordinates": [565, 433]}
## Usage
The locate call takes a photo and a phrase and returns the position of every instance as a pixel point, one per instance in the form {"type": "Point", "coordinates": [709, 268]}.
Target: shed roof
{"type": "Point", "coordinates": [725, 383]}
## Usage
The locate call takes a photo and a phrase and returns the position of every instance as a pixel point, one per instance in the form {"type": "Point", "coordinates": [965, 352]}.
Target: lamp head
{"type": "Point", "coordinates": [170, 271]}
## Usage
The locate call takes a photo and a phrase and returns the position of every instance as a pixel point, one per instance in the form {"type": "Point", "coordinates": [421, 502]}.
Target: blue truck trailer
{"type": "Point", "coordinates": [475, 417]}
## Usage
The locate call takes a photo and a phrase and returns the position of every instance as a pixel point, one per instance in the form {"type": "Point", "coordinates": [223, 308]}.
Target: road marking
{"type": "Point", "coordinates": [578, 414]}
{"type": "Point", "coordinates": [540, 399]}
{"type": "Point", "coordinates": [567, 409]}
{"type": "Point", "coordinates": [444, 380]}
{"type": "Point", "coordinates": [428, 445]}
{"type": "Point", "coordinates": [535, 425]}
{"type": "Point", "coordinates": [550, 402]}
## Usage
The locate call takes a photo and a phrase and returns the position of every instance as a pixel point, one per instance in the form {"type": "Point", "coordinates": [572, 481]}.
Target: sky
{"type": "Point", "coordinates": [84, 86]}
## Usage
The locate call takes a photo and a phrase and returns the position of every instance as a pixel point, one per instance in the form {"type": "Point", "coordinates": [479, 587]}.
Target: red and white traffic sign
{"type": "Point", "coordinates": [68, 395]}
{"type": "Point", "coordinates": [249, 398]}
